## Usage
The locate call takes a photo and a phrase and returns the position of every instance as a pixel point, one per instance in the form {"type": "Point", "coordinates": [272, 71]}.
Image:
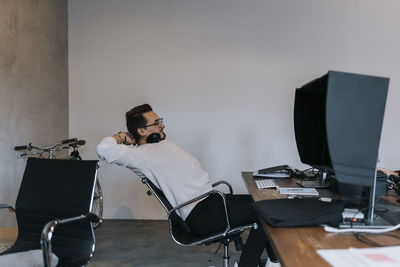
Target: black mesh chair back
{"type": "Point", "coordinates": [56, 189]}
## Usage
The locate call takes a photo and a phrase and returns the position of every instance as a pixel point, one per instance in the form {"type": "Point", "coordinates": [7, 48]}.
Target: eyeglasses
{"type": "Point", "coordinates": [158, 122]}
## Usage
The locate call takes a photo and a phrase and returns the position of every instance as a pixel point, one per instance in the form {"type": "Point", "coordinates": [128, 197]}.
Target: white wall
{"type": "Point", "coordinates": [223, 74]}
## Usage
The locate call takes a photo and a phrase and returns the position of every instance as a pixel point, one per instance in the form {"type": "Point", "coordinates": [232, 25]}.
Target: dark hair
{"type": "Point", "coordinates": [136, 120]}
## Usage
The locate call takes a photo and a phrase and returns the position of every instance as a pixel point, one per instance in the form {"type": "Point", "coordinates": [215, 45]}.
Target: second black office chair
{"type": "Point", "coordinates": [56, 192]}
{"type": "Point", "coordinates": [180, 231]}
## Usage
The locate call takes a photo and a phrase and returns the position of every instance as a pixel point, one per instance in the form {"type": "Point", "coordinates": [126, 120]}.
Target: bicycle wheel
{"type": "Point", "coordinates": [97, 207]}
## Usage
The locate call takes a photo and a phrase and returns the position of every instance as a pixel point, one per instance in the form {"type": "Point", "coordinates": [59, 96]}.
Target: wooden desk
{"type": "Point", "coordinates": [298, 246]}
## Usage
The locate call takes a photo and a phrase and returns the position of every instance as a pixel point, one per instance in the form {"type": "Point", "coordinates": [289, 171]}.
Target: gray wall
{"type": "Point", "coordinates": [223, 73]}
{"type": "Point", "coordinates": [33, 84]}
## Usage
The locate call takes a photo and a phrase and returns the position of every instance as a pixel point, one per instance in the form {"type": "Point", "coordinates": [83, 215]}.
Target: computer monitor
{"type": "Point", "coordinates": [338, 121]}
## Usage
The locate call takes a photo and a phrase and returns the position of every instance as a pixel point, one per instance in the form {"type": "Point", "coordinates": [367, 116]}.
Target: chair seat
{"type": "Point", "coordinates": [184, 236]}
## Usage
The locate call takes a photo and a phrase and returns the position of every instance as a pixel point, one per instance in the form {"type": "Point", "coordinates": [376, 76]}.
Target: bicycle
{"type": "Point", "coordinates": [49, 152]}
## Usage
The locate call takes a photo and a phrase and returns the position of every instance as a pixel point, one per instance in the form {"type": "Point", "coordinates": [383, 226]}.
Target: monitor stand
{"type": "Point", "coordinates": [319, 182]}
{"type": "Point", "coordinates": [377, 223]}
{"type": "Point", "coordinates": [381, 213]}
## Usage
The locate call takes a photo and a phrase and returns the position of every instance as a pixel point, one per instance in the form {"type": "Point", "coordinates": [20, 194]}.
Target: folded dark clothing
{"type": "Point", "coordinates": [299, 212]}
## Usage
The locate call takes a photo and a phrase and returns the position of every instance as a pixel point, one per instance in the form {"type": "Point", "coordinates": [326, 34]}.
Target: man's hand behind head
{"type": "Point", "coordinates": [130, 140]}
{"type": "Point", "coordinates": [124, 138]}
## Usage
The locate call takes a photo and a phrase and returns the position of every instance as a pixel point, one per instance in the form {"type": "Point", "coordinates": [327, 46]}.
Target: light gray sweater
{"type": "Point", "coordinates": [177, 173]}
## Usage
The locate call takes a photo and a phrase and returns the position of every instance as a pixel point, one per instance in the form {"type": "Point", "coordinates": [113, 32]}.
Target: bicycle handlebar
{"type": "Point", "coordinates": [66, 141]}
{"type": "Point", "coordinates": [77, 143]}
{"type": "Point", "coordinates": [71, 143]}
{"type": "Point", "coordinates": [18, 148]}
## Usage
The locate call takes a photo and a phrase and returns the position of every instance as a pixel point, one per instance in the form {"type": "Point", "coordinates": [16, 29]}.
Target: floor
{"type": "Point", "coordinates": [148, 243]}
{"type": "Point", "coordinates": [141, 243]}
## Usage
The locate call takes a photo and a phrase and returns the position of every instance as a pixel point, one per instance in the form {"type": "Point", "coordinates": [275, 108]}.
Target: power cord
{"type": "Point", "coordinates": [364, 239]}
{"type": "Point", "coordinates": [330, 229]}
{"type": "Point", "coordinates": [302, 173]}
{"type": "Point", "coordinates": [377, 208]}
{"type": "Point", "coordinates": [358, 231]}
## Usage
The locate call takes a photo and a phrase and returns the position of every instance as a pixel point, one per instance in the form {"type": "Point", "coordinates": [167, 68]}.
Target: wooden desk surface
{"type": "Point", "coordinates": [298, 246]}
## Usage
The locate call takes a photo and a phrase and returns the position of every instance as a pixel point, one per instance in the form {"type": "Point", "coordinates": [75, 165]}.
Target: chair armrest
{"type": "Point", "coordinates": [6, 206]}
{"type": "Point", "coordinates": [228, 227]}
{"type": "Point", "coordinates": [47, 234]}
{"type": "Point", "coordinates": [224, 182]}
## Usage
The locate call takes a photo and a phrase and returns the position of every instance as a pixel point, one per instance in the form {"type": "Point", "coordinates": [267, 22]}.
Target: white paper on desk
{"type": "Point", "coordinates": [271, 175]}
{"type": "Point", "coordinates": [360, 257]}
{"type": "Point", "coordinates": [299, 191]}
{"type": "Point", "coordinates": [339, 257]}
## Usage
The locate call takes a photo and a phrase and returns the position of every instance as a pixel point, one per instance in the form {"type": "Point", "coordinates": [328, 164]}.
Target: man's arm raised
{"type": "Point", "coordinates": [124, 138]}
{"type": "Point", "coordinates": [111, 150]}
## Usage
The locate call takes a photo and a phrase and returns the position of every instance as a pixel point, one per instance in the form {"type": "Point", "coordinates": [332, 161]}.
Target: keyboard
{"type": "Point", "coordinates": [266, 183]}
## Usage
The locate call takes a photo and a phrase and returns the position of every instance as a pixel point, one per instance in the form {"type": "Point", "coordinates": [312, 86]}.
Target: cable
{"type": "Point", "coordinates": [361, 230]}
{"type": "Point", "coordinates": [364, 239]}
{"type": "Point", "coordinates": [377, 208]}
{"type": "Point", "coordinates": [302, 173]}
{"type": "Point", "coordinates": [365, 230]}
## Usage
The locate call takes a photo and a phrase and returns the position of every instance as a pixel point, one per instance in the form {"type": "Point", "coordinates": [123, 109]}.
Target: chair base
{"type": "Point", "coordinates": [227, 259]}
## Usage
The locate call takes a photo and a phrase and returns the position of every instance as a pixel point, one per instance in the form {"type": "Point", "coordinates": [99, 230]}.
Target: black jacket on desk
{"type": "Point", "coordinates": [299, 212]}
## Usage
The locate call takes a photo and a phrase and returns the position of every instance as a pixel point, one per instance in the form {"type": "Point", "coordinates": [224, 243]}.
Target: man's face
{"type": "Point", "coordinates": [153, 125]}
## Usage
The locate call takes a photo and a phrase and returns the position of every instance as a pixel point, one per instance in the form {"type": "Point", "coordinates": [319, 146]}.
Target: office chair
{"type": "Point", "coordinates": [53, 210]}
{"type": "Point", "coordinates": [180, 231]}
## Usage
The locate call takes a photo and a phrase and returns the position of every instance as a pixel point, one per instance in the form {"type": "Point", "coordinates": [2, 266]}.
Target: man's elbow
{"type": "Point", "coordinates": [101, 151]}
{"type": "Point", "coordinates": [107, 153]}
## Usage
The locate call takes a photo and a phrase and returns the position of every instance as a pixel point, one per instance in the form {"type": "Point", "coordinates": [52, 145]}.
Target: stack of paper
{"type": "Point", "coordinates": [298, 191]}
{"type": "Point", "coordinates": [362, 257]}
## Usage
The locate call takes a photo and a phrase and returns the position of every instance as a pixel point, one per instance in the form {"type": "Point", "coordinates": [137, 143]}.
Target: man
{"type": "Point", "coordinates": [181, 178]}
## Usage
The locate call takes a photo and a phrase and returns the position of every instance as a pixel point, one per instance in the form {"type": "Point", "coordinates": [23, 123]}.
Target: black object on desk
{"type": "Point", "coordinates": [299, 212]}
{"type": "Point", "coordinates": [280, 168]}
